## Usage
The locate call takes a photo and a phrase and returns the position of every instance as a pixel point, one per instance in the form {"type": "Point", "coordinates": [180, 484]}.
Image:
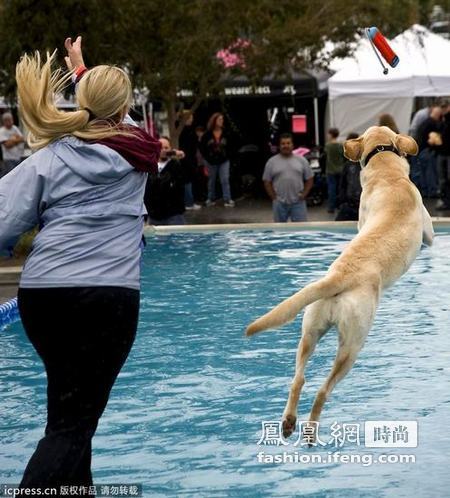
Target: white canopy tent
{"type": "Point", "coordinates": [359, 91]}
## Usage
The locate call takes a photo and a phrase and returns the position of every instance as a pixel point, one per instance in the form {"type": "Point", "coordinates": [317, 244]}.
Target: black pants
{"type": "Point", "coordinates": [444, 179]}
{"type": "Point", "coordinates": [83, 335]}
{"type": "Point", "coordinates": [347, 212]}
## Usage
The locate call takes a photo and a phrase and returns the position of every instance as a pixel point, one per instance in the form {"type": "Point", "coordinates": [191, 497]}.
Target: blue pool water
{"type": "Point", "coordinates": [185, 414]}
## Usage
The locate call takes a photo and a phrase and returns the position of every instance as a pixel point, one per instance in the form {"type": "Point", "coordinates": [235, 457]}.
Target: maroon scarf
{"type": "Point", "coordinates": [141, 150]}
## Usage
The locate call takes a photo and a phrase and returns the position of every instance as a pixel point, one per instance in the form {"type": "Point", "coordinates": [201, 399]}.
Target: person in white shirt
{"type": "Point", "coordinates": [12, 142]}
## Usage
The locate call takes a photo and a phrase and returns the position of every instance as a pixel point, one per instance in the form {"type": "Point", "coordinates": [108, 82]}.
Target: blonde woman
{"type": "Point", "coordinates": [79, 290]}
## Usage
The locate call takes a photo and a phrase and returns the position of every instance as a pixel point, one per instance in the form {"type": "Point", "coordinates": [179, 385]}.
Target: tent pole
{"type": "Point", "coordinates": [316, 120]}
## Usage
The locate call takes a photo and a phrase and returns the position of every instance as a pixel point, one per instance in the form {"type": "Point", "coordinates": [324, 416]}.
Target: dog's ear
{"type": "Point", "coordinates": [353, 149]}
{"type": "Point", "coordinates": [406, 144]}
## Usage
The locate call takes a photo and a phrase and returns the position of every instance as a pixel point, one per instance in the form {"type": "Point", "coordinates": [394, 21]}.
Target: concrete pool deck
{"type": "Point", "coordinates": [249, 214]}
{"type": "Point", "coordinates": [260, 211]}
{"type": "Point", "coordinates": [9, 279]}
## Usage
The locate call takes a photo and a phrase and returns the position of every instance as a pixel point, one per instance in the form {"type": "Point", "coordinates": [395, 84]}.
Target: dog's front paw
{"type": "Point", "coordinates": [288, 425]}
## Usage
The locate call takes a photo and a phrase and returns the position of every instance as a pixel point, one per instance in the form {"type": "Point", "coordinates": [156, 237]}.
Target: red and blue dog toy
{"type": "Point", "coordinates": [379, 41]}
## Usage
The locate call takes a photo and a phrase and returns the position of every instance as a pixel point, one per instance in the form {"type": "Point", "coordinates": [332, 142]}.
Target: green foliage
{"type": "Point", "coordinates": [28, 25]}
{"type": "Point", "coordinates": [169, 45]}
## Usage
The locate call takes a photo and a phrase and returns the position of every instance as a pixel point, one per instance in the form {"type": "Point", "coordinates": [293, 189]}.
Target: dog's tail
{"type": "Point", "coordinates": [287, 310]}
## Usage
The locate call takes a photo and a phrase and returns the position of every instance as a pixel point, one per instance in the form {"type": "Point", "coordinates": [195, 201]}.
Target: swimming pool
{"type": "Point", "coordinates": [186, 413]}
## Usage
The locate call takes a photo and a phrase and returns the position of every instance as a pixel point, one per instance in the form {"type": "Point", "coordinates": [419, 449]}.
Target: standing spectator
{"type": "Point", "coordinates": [12, 142]}
{"type": "Point", "coordinates": [288, 179]}
{"type": "Point", "coordinates": [444, 164]}
{"type": "Point", "coordinates": [215, 149]}
{"type": "Point", "coordinates": [425, 174]}
{"type": "Point", "coordinates": [419, 117]}
{"type": "Point", "coordinates": [389, 121]}
{"type": "Point", "coordinates": [334, 163]}
{"type": "Point", "coordinates": [164, 191]}
{"type": "Point", "coordinates": [200, 185]}
{"type": "Point", "coordinates": [188, 144]}
{"type": "Point", "coordinates": [349, 192]}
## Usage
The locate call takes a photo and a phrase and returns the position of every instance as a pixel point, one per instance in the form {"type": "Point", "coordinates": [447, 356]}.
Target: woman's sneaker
{"type": "Point", "coordinates": [210, 203]}
{"type": "Point", "coordinates": [229, 204]}
{"type": "Point", "coordinates": [194, 207]}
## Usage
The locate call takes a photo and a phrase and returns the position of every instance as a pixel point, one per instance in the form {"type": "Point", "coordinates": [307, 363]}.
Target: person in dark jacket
{"type": "Point", "coordinates": [200, 185]}
{"type": "Point", "coordinates": [349, 192]}
{"type": "Point", "coordinates": [427, 180]}
{"type": "Point", "coordinates": [444, 163]}
{"type": "Point", "coordinates": [215, 149]}
{"type": "Point", "coordinates": [164, 191]}
{"type": "Point", "coordinates": [188, 143]}
{"type": "Point", "coordinates": [334, 163]}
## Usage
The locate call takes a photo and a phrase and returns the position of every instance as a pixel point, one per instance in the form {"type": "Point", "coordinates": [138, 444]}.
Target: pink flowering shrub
{"type": "Point", "coordinates": [232, 56]}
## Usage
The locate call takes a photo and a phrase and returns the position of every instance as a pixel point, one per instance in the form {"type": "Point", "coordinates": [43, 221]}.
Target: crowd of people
{"type": "Point", "coordinates": [179, 185]}
{"type": "Point", "coordinates": [187, 176]}
{"type": "Point", "coordinates": [288, 177]}
{"type": "Point", "coordinates": [430, 169]}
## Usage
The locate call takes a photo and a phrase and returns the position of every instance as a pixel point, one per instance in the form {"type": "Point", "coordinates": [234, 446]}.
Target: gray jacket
{"type": "Point", "coordinates": [88, 202]}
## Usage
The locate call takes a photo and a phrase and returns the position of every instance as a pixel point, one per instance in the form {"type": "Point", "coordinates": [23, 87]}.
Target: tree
{"type": "Point", "coordinates": [28, 25]}
{"type": "Point", "coordinates": [170, 45]}
{"type": "Point", "coordinates": [176, 42]}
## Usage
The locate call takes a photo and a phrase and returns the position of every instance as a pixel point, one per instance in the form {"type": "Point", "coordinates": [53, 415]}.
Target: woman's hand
{"type": "Point", "coordinates": [74, 58]}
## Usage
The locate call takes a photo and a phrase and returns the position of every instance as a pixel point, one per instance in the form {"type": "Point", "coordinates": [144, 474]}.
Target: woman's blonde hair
{"type": "Point", "coordinates": [104, 95]}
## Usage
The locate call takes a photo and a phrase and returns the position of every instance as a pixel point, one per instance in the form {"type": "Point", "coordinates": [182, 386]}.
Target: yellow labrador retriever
{"type": "Point", "coordinates": [392, 225]}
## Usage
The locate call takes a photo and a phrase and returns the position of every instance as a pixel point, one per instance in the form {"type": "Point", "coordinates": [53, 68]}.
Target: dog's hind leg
{"type": "Point", "coordinates": [315, 324]}
{"type": "Point", "coordinates": [356, 316]}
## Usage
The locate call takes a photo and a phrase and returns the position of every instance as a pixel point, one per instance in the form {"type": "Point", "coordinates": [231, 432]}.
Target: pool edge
{"type": "Point", "coordinates": [438, 223]}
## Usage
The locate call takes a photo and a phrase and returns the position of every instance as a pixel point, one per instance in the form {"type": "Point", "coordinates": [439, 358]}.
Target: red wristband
{"type": "Point", "coordinates": [80, 69]}
{"type": "Point", "coordinates": [79, 72]}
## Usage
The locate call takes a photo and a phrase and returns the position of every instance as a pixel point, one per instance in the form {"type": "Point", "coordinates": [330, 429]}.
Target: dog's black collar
{"type": "Point", "coordinates": [379, 148]}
